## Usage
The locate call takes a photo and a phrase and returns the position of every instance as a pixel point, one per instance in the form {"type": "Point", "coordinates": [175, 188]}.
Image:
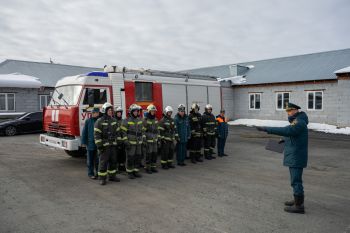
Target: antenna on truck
{"type": "Point", "coordinates": [116, 69]}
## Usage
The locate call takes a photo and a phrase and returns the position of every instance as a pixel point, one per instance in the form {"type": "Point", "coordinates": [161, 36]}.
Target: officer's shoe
{"type": "Point", "coordinates": [113, 178]}
{"type": "Point", "coordinates": [131, 175]}
{"type": "Point", "coordinates": [154, 170]}
{"type": "Point", "coordinates": [298, 207]}
{"type": "Point", "coordinates": [289, 203]}
{"type": "Point", "coordinates": [137, 175]}
{"type": "Point", "coordinates": [225, 154]}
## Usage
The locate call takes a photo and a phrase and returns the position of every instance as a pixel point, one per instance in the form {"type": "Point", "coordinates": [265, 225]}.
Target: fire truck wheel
{"type": "Point", "coordinates": [76, 153]}
{"type": "Point", "coordinates": [10, 130]}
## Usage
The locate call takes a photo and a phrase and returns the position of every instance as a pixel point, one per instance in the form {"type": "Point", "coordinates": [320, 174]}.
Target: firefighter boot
{"type": "Point", "coordinates": [113, 178]}
{"type": "Point", "coordinates": [298, 206]}
{"type": "Point", "coordinates": [165, 166]}
{"type": "Point", "coordinates": [207, 154]}
{"type": "Point", "coordinates": [154, 169]}
{"type": "Point", "coordinates": [170, 165]}
{"type": "Point", "coordinates": [198, 157]}
{"type": "Point", "coordinates": [137, 174]}
{"type": "Point", "coordinates": [103, 180]}
{"type": "Point", "coordinates": [192, 157]}
{"type": "Point", "coordinates": [131, 175]}
{"type": "Point", "coordinates": [148, 169]}
{"type": "Point", "coordinates": [211, 152]}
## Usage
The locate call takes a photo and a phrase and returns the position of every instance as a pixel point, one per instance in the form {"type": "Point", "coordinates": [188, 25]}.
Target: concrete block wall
{"type": "Point", "coordinates": [298, 95]}
{"type": "Point", "coordinates": [26, 99]}
{"type": "Point", "coordinates": [343, 107]}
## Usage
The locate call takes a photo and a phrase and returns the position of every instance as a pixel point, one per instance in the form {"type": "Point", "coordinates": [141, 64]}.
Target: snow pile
{"type": "Point", "coordinates": [342, 71]}
{"type": "Point", "coordinates": [234, 80]}
{"type": "Point", "coordinates": [19, 80]}
{"type": "Point", "coordinates": [272, 123]}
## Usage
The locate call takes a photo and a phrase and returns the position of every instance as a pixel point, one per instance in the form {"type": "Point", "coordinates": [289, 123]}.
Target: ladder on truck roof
{"type": "Point", "coordinates": [116, 69]}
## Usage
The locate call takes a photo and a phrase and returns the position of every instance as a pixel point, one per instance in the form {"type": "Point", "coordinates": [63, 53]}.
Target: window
{"type": "Point", "coordinates": [44, 101]}
{"type": "Point", "coordinates": [7, 102]}
{"type": "Point", "coordinates": [254, 101]}
{"type": "Point", "coordinates": [69, 95]}
{"type": "Point", "coordinates": [143, 91]}
{"type": "Point", "coordinates": [282, 99]}
{"type": "Point", "coordinates": [314, 100]}
{"type": "Point", "coordinates": [97, 96]}
{"type": "Point", "coordinates": [35, 115]}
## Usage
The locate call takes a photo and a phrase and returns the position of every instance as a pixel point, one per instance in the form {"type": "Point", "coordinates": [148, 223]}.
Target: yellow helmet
{"type": "Point", "coordinates": [151, 107]}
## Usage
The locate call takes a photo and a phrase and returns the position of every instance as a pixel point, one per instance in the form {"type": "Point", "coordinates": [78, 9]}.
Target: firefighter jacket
{"type": "Point", "coordinates": [105, 132]}
{"type": "Point", "coordinates": [168, 130]}
{"type": "Point", "coordinates": [195, 120]}
{"type": "Point", "coordinates": [209, 124]}
{"type": "Point", "coordinates": [131, 131]}
{"type": "Point", "coordinates": [150, 128]}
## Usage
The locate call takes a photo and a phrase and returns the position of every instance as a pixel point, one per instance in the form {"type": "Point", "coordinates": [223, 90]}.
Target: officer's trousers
{"type": "Point", "coordinates": [296, 180]}
{"type": "Point", "coordinates": [181, 152]}
{"type": "Point", "coordinates": [221, 145]}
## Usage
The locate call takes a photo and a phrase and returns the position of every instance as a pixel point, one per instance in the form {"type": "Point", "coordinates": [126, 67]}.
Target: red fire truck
{"type": "Point", "coordinates": [75, 96]}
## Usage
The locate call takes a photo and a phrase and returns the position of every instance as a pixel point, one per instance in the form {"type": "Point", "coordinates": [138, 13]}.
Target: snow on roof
{"type": "Point", "coordinates": [342, 71]}
{"type": "Point", "coordinates": [19, 80]}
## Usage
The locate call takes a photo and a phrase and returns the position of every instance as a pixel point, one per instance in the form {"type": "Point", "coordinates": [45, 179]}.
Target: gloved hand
{"type": "Point", "coordinates": [259, 128]}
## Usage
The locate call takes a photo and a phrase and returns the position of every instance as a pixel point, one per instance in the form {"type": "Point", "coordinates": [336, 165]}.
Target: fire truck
{"type": "Point", "coordinates": [75, 96]}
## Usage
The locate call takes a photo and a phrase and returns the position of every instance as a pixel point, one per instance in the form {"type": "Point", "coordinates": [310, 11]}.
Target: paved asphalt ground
{"type": "Point", "coordinates": [44, 190]}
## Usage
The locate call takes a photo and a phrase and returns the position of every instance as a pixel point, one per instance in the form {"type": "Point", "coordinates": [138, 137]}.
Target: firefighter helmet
{"type": "Point", "coordinates": [105, 106]}
{"type": "Point", "coordinates": [151, 107]}
{"type": "Point", "coordinates": [133, 107]}
{"type": "Point", "coordinates": [168, 109]}
{"type": "Point", "coordinates": [118, 109]}
{"type": "Point", "coordinates": [195, 106]}
{"type": "Point", "coordinates": [208, 106]}
{"type": "Point", "coordinates": [181, 107]}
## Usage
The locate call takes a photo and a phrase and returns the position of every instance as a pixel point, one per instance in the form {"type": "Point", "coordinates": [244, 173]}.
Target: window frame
{"type": "Point", "coordinates": [282, 93]}
{"type": "Point", "coordinates": [6, 101]}
{"type": "Point", "coordinates": [254, 94]}
{"type": "Point", "coordinates": [85, 92]}
{"type": "Point", "coordinates": [314, 100]}
{"type": "Point", "coordinates": [47, 99]}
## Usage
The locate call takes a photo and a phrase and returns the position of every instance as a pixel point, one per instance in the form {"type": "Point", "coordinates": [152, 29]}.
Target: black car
{"type": "Point", "coordinates": [30, 122]}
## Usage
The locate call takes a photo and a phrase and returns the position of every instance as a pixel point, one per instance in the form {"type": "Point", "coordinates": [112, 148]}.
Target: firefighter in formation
{"type": "Point", "coordinates": [105, 134]}
{"type": "Point", "coordinates": [123, 143]}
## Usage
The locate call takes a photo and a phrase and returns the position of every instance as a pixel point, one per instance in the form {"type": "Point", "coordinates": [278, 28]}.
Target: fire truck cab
{"type": "Point", "coordinates": [75, 96]}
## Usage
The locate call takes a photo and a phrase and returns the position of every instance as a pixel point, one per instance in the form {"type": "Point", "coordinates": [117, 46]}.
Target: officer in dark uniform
{"type": "Point", "coordinates": [120, 143]}
{"type": "Point", "coordinates": [105, 134]}
{"type": "Point", "coordinates": [209, 132]}
{"type": "Point", "coordinates": [195, 143]}
{"type": "Point", "coordinates": [295, 153]}
{"type": "Point", "coordinates": [222, 132]}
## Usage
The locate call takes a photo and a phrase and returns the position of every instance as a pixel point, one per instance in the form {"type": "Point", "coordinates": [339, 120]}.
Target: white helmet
{"type": "Point", "coordinates": [105, 106]}
{"type": "Point", "coordinates": [118, 109]}
{"type": "Point", "coordinates": [168, 109]}
{"type": "Point", "coordinates": [194, 106]}
{"type": "Point", "coordinates": [208, 106]}
{"type": "Point", "coordinates": [181, 107]}
{"type": "Point", "coordinates": [133, 107]}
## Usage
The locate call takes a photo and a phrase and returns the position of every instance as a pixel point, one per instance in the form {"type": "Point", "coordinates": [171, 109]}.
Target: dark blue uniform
{"type": "Point", "coordinates": [184, 133]}
{"type": "Point", "coordinates": [296, 148]}
{"type": "Point", "coordinates": [87, 138]}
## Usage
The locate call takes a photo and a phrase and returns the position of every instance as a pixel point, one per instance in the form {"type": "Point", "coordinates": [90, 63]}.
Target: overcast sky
{"type": "Point", "coordinates": [169, 34]}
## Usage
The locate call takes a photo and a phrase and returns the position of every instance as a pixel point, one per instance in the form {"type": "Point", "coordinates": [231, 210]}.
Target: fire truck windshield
{"type": "Point", "coordinates": [70, 95]}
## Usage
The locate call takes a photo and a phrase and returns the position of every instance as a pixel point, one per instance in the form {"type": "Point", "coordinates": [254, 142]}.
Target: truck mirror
{"type": "Point", "coordinates": [91, 98]}
{"type": "Point", "coordinates": [60, 96]}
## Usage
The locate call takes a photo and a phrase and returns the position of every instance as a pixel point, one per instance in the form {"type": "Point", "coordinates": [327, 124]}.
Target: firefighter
{"type": "Point", "coordinates": [150, 142]}
{"type": "Point", "coordinates": [195, 143]}
{"type": "Point", "coordinates": [120, 144]}
{"type": "Point", "coordinates": [105, 133]}
{"type": "Point", "coordinates": [184, 132]}
{"type": "Point", "coordinates": [132, 136]}
{"type": "Point", "coordinates": [169, 135]}
{"type": "Point", "coordinates": [209, 127]}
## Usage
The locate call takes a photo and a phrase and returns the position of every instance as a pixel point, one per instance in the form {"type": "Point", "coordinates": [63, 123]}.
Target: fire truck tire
{"type": "Point", "coordinates": [76, 153]}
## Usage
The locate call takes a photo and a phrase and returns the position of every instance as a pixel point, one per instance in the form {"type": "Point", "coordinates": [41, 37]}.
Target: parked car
{"type": "Point", "coordinates": [30, 122]}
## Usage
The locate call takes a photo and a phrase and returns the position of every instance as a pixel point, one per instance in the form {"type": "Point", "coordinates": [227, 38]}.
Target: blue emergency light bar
{"type": "Point", "coordinates": [98, 74]}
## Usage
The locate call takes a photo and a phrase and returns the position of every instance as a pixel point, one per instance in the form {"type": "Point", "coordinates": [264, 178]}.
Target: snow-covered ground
{"type": "Point", "coordinates": [313, 126]}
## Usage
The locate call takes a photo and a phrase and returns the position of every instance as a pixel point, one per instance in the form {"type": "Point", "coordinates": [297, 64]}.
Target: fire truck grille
{"type": "Point", "coordinates": [58, 128]}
